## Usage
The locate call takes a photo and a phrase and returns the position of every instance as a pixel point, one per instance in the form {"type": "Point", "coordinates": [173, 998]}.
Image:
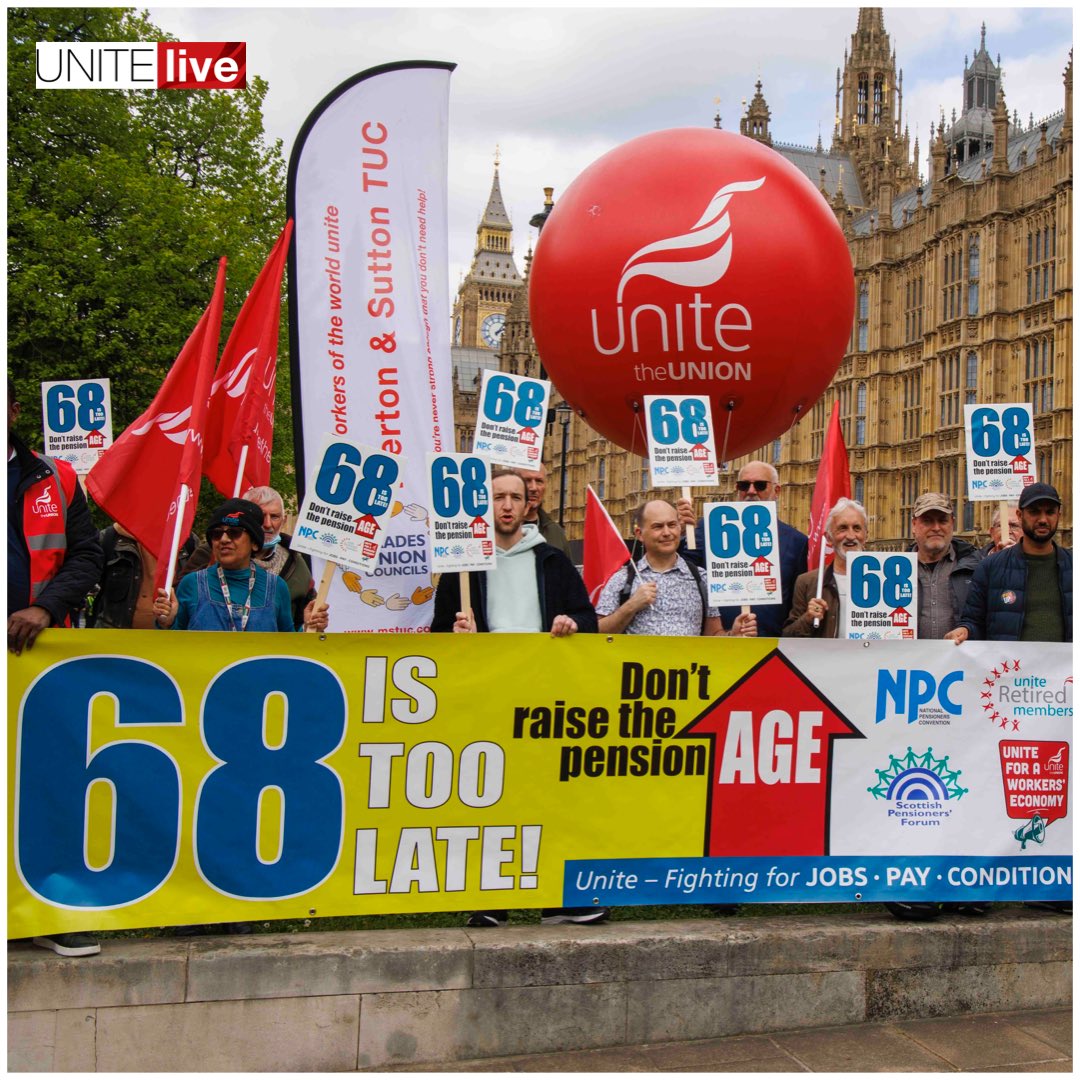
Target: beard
{"type": "Point", "coordinates": [1032, 535]}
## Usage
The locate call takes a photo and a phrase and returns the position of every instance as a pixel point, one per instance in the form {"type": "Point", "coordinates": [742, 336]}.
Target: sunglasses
{"type": "Point", "coordinates": [758, 485]}
{"type": "Point", "coordinates": [232, 532]}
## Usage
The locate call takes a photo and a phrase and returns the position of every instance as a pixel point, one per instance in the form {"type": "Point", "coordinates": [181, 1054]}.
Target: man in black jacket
{"type": "Point", "coordinates": [534, 587]}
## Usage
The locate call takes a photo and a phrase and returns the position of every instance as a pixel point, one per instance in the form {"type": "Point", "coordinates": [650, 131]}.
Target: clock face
{"type": "Point", "coordinates": [491, 330]}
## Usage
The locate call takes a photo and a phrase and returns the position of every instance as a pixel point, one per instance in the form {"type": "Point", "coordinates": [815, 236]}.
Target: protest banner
{"type": "Point", "coordinates": [1000, 451]}
{"type": "Point", "coordinates": [168, 778]}
{"type": "Point", "coordinates": [883, 597]}
{"type": "Point", "coordinates": [742, 553]}
{"type": "Point", "coordinates": [462, 524]}
{"type": "Point", "coordinates": [369, 310]}
{"type": "Point", "coordinates": [77, 421]}
{"type": "Point", "coordinates": [510, 419]}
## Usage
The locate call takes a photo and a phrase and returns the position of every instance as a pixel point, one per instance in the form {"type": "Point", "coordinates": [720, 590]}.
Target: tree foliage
{"type": "Point", "coordinates": [120, 204]}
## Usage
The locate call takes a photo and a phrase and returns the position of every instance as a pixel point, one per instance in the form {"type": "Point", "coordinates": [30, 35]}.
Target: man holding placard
{"type": "Point", "coordinates": [1000, 540]}
{"type": "Point", "coordinates": [534, 587]}
{"type": "Point", "coordinates": [758, 481]}
{"type": "Point", "coordinates": [823, 616]}
{"type": "Point", "coordinates": [1024, 593]}
{"type": "Point", "coordinates": [661, 593]}
{"type": "Point", "coordinates": [945, 565]}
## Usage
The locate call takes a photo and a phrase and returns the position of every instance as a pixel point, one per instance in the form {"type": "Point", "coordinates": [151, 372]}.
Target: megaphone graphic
{"type": "Point", "coordinates": [1035, 830]}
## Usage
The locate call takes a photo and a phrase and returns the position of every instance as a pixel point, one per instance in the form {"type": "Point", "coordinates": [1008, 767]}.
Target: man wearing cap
{"type": "Point", "coordinates": [233, 593]}
{"type": "Point", "coordinates": [945, 565]}
{"type": "Point", "coordinates": [1024, 592]}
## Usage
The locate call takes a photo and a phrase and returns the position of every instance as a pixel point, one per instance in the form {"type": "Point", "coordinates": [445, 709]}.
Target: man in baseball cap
{"type": "Point", "coordinates": [1024, 592]}
{"type": "Point", "coordinates": [945, 564]}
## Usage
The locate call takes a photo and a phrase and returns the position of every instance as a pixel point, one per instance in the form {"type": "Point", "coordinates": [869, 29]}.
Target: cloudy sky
{"type": "Point", "coordinates": [555, 88]}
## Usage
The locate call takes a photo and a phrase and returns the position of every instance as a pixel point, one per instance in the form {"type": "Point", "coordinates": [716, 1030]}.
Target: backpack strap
{"type": "Point", "coordinates": [630, 571]}
{"type": "Point", "coordinates": [703, 589]}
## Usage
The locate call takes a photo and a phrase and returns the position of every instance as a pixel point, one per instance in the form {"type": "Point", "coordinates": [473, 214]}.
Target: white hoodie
{"type": "Point", "coordinates": [513, 603]}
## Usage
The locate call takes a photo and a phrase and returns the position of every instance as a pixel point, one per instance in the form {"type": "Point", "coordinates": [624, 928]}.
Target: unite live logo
{"type": "Point", "coordinates": [141, 65]}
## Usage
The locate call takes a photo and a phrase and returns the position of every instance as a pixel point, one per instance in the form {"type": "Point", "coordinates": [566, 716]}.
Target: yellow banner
{"type": "Point", "coordinates": [171, 778]}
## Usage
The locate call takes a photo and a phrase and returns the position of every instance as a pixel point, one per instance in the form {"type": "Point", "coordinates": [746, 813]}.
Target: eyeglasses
{"type": "Point", "coordinates": [759, 485]}
{"type": "Point", "coordinates": [232, 532]}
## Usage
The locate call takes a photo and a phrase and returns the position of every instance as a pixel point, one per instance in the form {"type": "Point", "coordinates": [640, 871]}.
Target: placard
{"type": "Point", "coordinates": [462, 522]}
{"type": "Point", "coordinates": [349, 494]}
{"type": "Point", "coordinates": [510, 419]}
{"type": "Point", "coordinates": [682, 449]}
{"type": "Point", "coordinates": [883, 597]}
{"type": "Point", "coordinates": [743, 556]}
{"type": "Point", "coordinates": [1000, 451]}
{"type": "Point", "coordinates": [77, 419]}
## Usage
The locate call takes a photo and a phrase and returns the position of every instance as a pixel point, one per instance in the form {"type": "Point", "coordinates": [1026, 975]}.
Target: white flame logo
{"type": "Point", "coordinates": [235, 380]}
{"type": "Point", "coordinates": [44, 498]}
{"type": "Point", "coordinates": [711, 228]}
{"type": "Point", "coordinates": [1056, 759]}
{"type": "Point", "coordinates": [173, 425]}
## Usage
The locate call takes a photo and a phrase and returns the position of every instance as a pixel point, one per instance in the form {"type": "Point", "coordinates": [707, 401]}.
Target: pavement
{"type": "Point", "coordinates": [1035, 1041]}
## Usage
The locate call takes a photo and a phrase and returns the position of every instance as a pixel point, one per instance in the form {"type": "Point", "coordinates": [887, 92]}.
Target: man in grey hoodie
{"type": "Point", "coordinates": [534, 587]}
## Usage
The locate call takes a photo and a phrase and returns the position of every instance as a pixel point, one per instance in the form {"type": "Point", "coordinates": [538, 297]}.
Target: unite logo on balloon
{"type": "Point", "coordinates": [709, 242]}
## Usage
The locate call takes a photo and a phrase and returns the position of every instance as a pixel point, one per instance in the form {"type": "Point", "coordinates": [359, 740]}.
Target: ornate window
{"type": "Point", "coordinates": [909, 492]}
{"type": "Point", "coordinates": [973, 275]}
{"type": "Point", "coordinates": [1039, 374]}
{"type": "Point", "coordinates": [817, 428]}
{"type": "Point", "coordinates": [949, 390]}
{"type": "Point", "coordinates": [776, 452]}
{"type": "Point", "coordinates": [971, 379]}
{"type": "Point", "coordinates": [860, 415]}
{"type": "Point", "coordinates": [863, 317]}
{"type": "Point", "coordinates": [601, 483]}
{"type": "Point", "coordinates": [861, 103]}
{"type": "Point", "coordinates": [1041, 271]}
{"type": "Point", "coordinates": [860, 490]}
{"type": "Point", "coordinates": [912, 408]}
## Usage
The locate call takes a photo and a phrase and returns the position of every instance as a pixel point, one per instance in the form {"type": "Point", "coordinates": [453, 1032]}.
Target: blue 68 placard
{"type": "Point", "coordinates": [743, 560]}
{"type": "Point", "coordinates": [682, 450]}
{"type": "Point", "coordinates": [882, 597]}
{"type": "Point", "coordinates": [1000, 450]}
{"type": "Point", "coordinates": [511, 418]}
{"type": "Point", "coordinates": [461, 529]}
{"type": "Point", "coordinates": [77, 421]}
{"type": "Point", "coordinates": [350, 491]}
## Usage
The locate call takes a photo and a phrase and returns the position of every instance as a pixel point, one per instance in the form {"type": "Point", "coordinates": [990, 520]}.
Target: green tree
{"type": "Point", "coordinates": [120, 204]}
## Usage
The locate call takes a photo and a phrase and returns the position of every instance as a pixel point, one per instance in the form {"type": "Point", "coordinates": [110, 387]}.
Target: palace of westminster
{"type": "Point", "coordinates": [963, 294]}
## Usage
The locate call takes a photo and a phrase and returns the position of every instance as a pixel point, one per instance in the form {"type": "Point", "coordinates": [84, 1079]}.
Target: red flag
{"type": "Point", "coordinates": [136, 481]}
{"type": "Point", "coordinates": [833, 482]}
{"type": "Point", "coordinates": [605, 549]}
{"type": "Point", "coordinates": [242, 397]}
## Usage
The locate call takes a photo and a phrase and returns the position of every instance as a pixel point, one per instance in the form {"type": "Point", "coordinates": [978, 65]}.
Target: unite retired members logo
{"type": "Point", "coordinates": [141, 65]}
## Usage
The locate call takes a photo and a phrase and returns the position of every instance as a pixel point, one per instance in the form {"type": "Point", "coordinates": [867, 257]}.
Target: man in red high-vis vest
{"type": "Point", "coordinates": [54, 555]}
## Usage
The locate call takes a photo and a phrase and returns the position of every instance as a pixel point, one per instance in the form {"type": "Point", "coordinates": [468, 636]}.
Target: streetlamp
{"type": "Point", "coordinates": [564, 411]}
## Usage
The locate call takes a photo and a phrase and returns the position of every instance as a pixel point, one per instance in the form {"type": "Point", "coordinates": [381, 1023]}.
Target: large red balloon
{"type": "Point", "coordinates": [692, 261]}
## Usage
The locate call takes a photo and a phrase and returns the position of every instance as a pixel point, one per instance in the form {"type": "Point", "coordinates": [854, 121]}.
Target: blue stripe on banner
{"type": "Point", "coordinates": [803, 880]}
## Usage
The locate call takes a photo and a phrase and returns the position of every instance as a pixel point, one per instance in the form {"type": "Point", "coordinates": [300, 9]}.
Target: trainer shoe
{"type": "Point", "coordinates": [551, 916]}
{"type": "Point", "coordinates": [913, 912]}
{"type": "Point", "coordinates": [70, 944]}
{"type": "Point", "coordinates": [488, 918]}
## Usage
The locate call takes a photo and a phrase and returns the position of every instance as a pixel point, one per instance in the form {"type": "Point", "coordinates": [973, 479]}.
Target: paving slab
{"type": "Point", "coordinates": [978, 1042]}
{"type": "Point", "coordinates": [1053, 1027]}
{"type": "Point", "coordinates": [865, 1048]}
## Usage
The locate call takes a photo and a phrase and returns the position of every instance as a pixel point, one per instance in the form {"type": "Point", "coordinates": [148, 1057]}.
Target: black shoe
{"type": "Point", "coordinates": [551, 916]}
{"type": "Point", "coordinates": [722, 909]}
{"type": "Point", "coordinates": [967, 908]}
{"type": "Point", "coordinates": [913, 912]}
{"type": "Point", "coordinates": [1061, 907]}
{"type": "Point", "coordinates": [70, 944]}
{"type": "Point", "coordinates": [488, 918]}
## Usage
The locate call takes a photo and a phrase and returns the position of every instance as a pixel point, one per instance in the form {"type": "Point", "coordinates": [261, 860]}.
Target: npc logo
{"type": "Point", "coordinates": [918, 696]}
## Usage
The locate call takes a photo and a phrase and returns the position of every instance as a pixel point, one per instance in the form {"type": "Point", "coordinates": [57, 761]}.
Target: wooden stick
{"type": "Point", "coordinates": [466, 598]}
{"type": "Point", "coordinates": [1005, 515]}
{"type": "Point", "coordinates": [820, 576]}
{"type": "Point", "coordinates": [324, 586]}
{"type": "Point", "coordinates": [691, 539]}
{"type": "Point", "coordinates": [240, 472]}
{"type": "Point", "coordinates": [174, 549]}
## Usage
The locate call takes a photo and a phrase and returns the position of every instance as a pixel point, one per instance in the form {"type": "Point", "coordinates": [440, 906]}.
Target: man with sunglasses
{"type": "Point", "coordinates": [233, 593]}
{"type": "Point", "coordinates": [758, 481]}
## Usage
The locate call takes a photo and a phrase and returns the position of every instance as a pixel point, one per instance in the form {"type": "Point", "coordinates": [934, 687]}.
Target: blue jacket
{"type": "Point", "coordinates": [793, 552]}
{"type": "Point", "coordinates": [996, 601]}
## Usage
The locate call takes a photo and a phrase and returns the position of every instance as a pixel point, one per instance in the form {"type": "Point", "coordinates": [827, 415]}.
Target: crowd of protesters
{"type": "Point", "coordinates": [244, 578]}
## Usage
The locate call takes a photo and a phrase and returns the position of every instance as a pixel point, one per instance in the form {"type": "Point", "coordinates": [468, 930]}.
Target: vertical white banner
{"type": "Point", "coordinates": [369, 311]}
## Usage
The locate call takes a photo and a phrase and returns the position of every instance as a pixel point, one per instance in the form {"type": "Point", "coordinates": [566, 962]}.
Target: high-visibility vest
{"type": "Point", "coordinates": [45, 510]}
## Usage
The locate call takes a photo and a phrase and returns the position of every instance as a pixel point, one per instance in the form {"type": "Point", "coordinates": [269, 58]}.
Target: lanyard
{"type": "Point", "coordinates": [228, 601]}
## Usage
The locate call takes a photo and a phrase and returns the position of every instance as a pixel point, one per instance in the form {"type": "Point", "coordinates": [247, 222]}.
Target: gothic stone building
{"type": "Point", "coordinates": [963, 286]}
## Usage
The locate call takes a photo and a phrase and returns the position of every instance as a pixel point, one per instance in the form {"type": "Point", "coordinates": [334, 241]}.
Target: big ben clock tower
{"type": "Point", "coordinates": [493, 281]}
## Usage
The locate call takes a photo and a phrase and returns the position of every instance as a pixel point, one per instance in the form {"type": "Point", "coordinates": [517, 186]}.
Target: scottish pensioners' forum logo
{"type": "Point", "coordinates": [918, 788]}
{"type": "Point", "coordinates": [141, 65]}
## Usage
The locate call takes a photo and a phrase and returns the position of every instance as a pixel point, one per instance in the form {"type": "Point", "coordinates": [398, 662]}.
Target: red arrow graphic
{"type": "Point", "coordinates": [771, 763]}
